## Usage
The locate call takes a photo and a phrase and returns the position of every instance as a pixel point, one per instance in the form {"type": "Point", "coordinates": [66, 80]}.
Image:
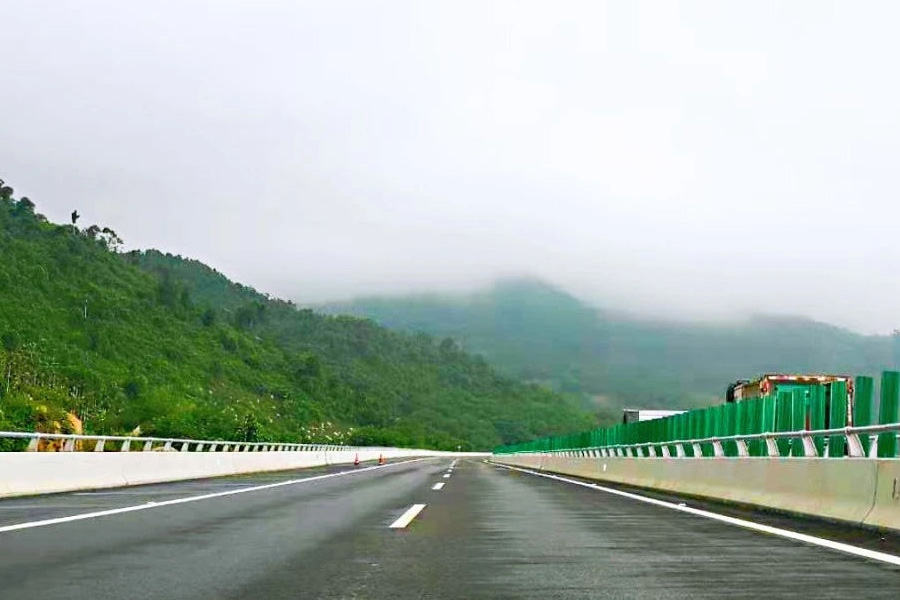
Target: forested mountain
{"type": "Point", "coordinates": [531, 330]}
{"type": "Point", "coordinates": [169, 345]}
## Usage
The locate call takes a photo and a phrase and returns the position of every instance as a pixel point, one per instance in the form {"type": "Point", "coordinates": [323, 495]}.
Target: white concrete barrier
{"type": "Point", "coordinates": [859, 491]}
{"type": "Point", "coordinates": [886, 509]}
{"type": "Point", "coordinates": [25, 473]}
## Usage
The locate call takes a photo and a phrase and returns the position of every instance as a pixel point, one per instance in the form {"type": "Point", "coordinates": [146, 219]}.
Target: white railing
{"type": "Point", "coordinates": [102, 442]}
{"type": "Point", "coordinates": [854, 436]}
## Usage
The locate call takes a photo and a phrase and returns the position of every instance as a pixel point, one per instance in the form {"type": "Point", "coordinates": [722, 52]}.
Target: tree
{"type": "Point", "coordinates": [249, 430]}
{"type": "Point", "coordinates": [6, 192]}
{"type": "Point", "coordinates": [25, 205]}
{"type": "Point", "coordinates": [208, 318]}
{"type": "Point", "coordinates": [168, 289]}
{"type": "Point", "coordinates": [110, 239]}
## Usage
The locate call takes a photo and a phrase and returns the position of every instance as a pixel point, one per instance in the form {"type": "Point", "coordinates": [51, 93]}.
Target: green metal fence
{"type": "Point", "coordinates": [820, 407]}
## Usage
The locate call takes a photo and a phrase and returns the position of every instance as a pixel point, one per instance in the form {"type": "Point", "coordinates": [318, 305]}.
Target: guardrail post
{"type": "Point", "coordinates": [69, 446]}
{"type": "Point", "coordinates": [184, 446]}
{"type": "Point", "coordinates": [168, 446]}
{"type": "Point", "coordinates": [743, 450]}
{"type": "Point", "coordinates": [809, 445]}
{"type": "Point", "coordinates": [855, 445]}
{"type": "Point", "coordinates": [718, 449]}
{"type": "Point", "coordinates": [665, 451]}
{"type": "Point", "coordinates": [698, 451]}
{"type": "Point", "coordinates": [772, 449]}
{"type": "Point", "coordinates": [98, 447]}
{"type": "Point", "coordinates": [199, 448]}
{"type": "Point", "coordinates": [126, 446]}
{"type": "Point", "coordinates": [651, 451]}
{"type": "Point", "coordinates": [148, 445]}
{"type": "Point", "coordinates": [33, 444]}
{"type": "Point", "coordinates": [679, 451]}
{"type": "Point", "coordinates": [213, 448]}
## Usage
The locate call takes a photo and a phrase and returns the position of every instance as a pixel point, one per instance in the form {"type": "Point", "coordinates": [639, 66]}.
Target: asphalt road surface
{"type": "Point", "coordinates": [487, 532]}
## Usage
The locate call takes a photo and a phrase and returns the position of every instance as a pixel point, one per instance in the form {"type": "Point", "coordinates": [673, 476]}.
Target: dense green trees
{"type": "Point", "coordinates": [170, 345]}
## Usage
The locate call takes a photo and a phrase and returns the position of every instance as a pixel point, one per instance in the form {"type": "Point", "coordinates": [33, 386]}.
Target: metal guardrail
{"type": "Point", "coordinates": [854, 437]}
{"type": "Point", "coordinates": [150, 444]}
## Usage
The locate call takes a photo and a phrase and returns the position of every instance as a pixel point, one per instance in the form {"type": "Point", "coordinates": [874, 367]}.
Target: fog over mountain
{"type": "Point", "coordinates": [701, 161]}
{"type": "Point", "coordinates": [537, 332]}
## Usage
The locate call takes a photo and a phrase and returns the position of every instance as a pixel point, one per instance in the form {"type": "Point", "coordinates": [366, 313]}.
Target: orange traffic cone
{"type": "Point", "coordinates": [356, 460]}
{"type": "Point", "coordinates": [380, 459]}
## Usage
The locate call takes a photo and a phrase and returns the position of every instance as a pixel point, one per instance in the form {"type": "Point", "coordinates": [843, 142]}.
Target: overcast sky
{"type": "Point", "coordinates": [702, 159]}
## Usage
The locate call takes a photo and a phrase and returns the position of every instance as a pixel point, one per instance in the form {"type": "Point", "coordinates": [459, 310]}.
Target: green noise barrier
{"type": "Point", "coordinates": [817, 407]}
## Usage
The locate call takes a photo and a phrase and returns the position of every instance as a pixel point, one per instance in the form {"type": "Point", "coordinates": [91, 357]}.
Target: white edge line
{"type": "Point", "coordinates": [438, 486]}
{"type": "Point", "coordinates": [446, 475]}
{"type": "Point", "coordinates": [149, 505]}
{"type": "Point", "coordinates": [785, 533]}
{"type": "Point", "coordinates": [407, 517]}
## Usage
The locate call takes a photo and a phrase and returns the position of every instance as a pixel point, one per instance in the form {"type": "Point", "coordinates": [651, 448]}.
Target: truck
{"type": "Point", "coordinates": [770, 384]}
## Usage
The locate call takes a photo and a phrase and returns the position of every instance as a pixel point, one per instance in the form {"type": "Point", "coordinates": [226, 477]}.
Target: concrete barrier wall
{"type": "Point", "coordinates": [886, 510]}
{"type": "Point", "coordinates": [859, 491]}
{"type": "Point", "coordinates": [24, 473]}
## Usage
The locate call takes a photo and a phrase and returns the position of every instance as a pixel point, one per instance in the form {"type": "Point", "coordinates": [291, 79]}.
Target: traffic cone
{"type": "Point", "coordinates": [381, 459]}
{"type": "Point", "coordinates": [356, 460]}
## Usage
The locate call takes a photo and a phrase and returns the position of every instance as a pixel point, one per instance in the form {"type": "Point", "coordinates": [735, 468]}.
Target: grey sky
{"type": "Point", "coordinates": [702, 159]}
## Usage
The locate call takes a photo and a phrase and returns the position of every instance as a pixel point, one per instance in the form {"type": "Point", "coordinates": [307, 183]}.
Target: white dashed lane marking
{"type": "Point", "coordinates": [407, 517]}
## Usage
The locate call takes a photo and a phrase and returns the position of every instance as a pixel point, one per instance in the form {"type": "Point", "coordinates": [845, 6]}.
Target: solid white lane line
{"type": "Point", "coordinates": [161, 492]}
{"type": "Point", "coordinates": [48, 506]}
{"type": "Point", "coordinates": [785, 533]}
{"type": "Point", "coordinates": [149, 505]}
{"type": "Point", "coordinates": [140, 493]}
{"type": "Point", "coordinates": [438, 486]}
{"type": "Point", "coordinates": [407, 517]}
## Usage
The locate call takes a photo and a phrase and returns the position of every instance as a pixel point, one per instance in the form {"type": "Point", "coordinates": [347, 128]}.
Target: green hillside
{"type": "Point", "coordinates": [531, 330]}
{"type": "Point", "coordinates": [170, 345]}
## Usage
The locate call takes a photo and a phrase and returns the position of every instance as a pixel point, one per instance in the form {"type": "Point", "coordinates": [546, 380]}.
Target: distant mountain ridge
{"type": "Point", "coordinates": [535, 331]}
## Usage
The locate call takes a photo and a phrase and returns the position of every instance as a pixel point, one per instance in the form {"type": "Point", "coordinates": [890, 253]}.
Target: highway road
{"type": "Point", "coordinates": [344, 532]}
